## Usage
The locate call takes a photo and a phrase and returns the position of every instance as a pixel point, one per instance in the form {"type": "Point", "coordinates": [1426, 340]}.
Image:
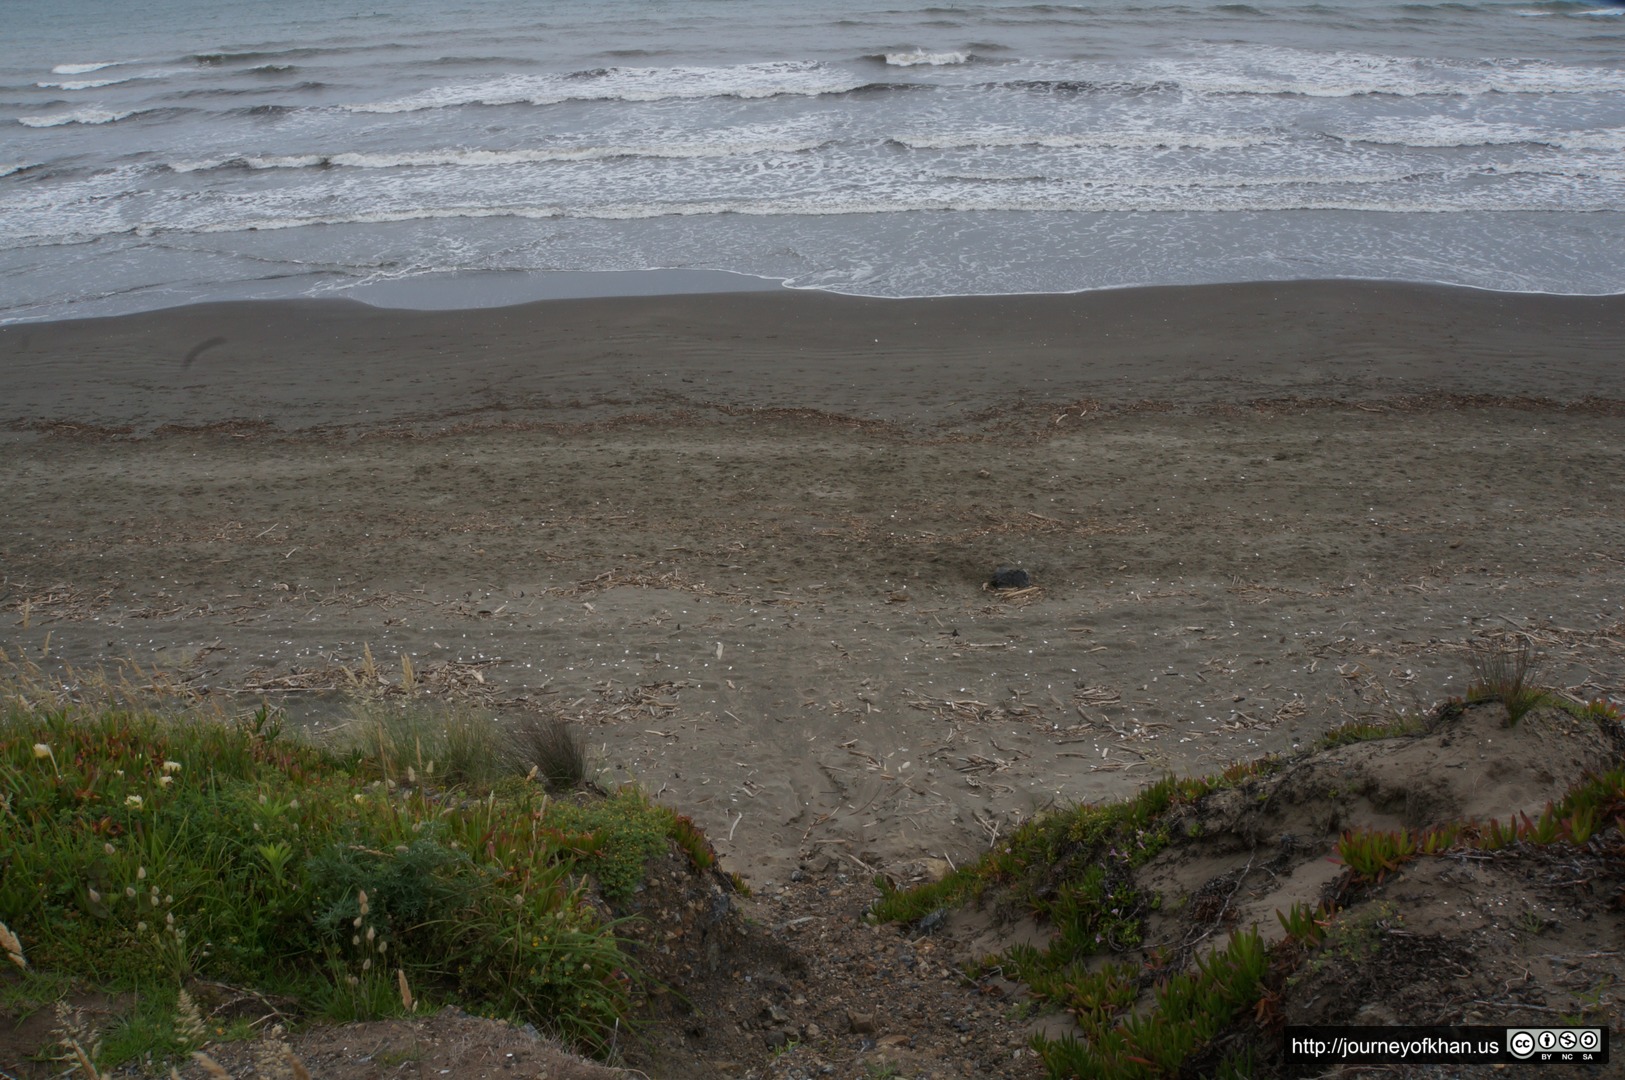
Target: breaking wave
{"type": "Point", "coordinates": [803, 78]}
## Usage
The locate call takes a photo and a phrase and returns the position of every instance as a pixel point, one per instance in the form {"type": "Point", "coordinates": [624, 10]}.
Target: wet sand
{"type": "Point", "coordinates": [742, 538]}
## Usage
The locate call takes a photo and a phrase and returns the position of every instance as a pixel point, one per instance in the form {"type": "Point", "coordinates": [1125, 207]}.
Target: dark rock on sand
{"type": "Point", "coordinates": [1011, 577]}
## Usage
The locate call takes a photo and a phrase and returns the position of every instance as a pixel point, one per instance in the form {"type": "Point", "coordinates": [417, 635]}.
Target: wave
{"type": "Point", "coordinates": [219, 59]}
{"type": "Point", "coordinates": [1263, 70]}
{"type": "Point", "coordinates": [1266, 71]}
{"type": "Point", "coordinates": [708, 148]}
{"type": "Point", "coordinates": [82, 84]}
{"type": "Point", "coordinates": [1397, 192]}
{"type": "Point", "coordinates": [50, 220]}
{"type": "Point", "coordinates": [85, 69]}
{"type": "Point", "coordinates": [482, 61]}
{"type": "Point", "coordinates": [919, 57]}
{"type": "Point", "coordinates": [17, 168]}
{"type": "Point", "coordinates": [264, 110]}
{"type": "Point", "coordinates": [1449, 134]}
{"type": "Point", "coordinates": [1088, 86]}
{"type": "Point", "coordinates": [308, 86]}
{"type": "Point", "coordinates": [94, 84]}
{"type": "Point", "coordinates": [1126, 140]}
{"type": "Point", "coordinates": [801, 78]}
{"type": "Point", "coordinates": [78, 116]}
{"type": "Point", "coordinates": [1005, 199]}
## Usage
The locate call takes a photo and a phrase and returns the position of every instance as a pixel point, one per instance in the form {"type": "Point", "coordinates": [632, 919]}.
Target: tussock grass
{"type": "Point", "coordinates": [1506, 673]}
{"type": "Point", "coordinates": [427, 742]}
{"type": "Point", "coordinates": [551, 747]}
{"type": "Point", "coordinates": [143, 848]}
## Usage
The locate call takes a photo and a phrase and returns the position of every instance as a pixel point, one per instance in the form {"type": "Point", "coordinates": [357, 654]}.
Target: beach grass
{"type": "Point", "coordinates": [1075, 870]}
{"type": "Point", "coordinates": [1507, 673]}
{"type": "Point", "coordinates": [148, 847]}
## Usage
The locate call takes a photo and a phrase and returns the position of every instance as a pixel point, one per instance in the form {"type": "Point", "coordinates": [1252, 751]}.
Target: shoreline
{"type": "Point", "coordinates": [477, 290]}
{"type": "Point", "coordinates": [922, 365]}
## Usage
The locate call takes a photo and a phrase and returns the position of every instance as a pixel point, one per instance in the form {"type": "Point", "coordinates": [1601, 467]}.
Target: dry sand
{"type": "Point", "coordinates": [743, 538]}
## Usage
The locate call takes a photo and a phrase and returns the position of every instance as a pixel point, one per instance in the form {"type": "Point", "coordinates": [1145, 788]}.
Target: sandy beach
{"type": "Point", "coordinates": [743, 539]}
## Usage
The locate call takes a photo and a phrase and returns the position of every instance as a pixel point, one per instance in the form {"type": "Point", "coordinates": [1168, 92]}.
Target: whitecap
{"type": "Point", "coordinates": [804, 78]}
{"type": "Point", "coordinates": [932, 59]}
{"type": "Point", "coordinates": [1270, 70]}
{"type": "Point", "coordinates": [1445, 133]}
{"type": "Point", "coordinates": [719, 145]}
{"type": "Point", "coordinates": [80, 84]}
{"type": "Point", "coordinates": [79, 116]}
{"type": "Point", "coordinates": [92, 84]}
{"type": "Point", "coordinates": [84, 69]}
{"type": "Point", "coordinates": [992, 139]}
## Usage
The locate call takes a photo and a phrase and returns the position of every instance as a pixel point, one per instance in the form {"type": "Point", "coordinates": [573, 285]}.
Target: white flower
{"type": "Point", "coordinates": [43, 751]}
{"type": "Point", "coordinates": [135, 801]}
{"type": "Point", "coordinates": [140, 871]}
{"type": "Point", "coordinates": [95, 897]}
{"type": "Point", "coordinates": [172, 766]}
{"type": "Point", "coordinates": [165, 781]}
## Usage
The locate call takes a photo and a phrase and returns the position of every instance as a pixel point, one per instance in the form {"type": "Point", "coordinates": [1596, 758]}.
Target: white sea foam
{"type": "Point", "coordinates": [1386, 194]}
{"type": "Point", "coordinates": [1274, 70]}
{"type": "Point", "coordinates": [78, 84]}
{"type": "Point", "coordinates": [95, 84]}
{"type": "Point", "coordinates": [720, 146]}
{"type": "Point", "coordinates": [1446, 132]}
{"type": "Point", "coordinates": [930, 59]}
{"type": "Point", "coordinates": [1030, 169]}
{"type": "Point", "coordinates": [630, 84]}
{"type": "Point", "coordinates": [84, 69]}
{"type": "Point", "coordinates": [78, 116]}
{"type": "Point", "coordinates": [995, 139]}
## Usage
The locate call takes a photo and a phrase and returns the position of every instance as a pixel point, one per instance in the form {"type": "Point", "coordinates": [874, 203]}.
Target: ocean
{"type": "Point", "coordinates": [181, 150]}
